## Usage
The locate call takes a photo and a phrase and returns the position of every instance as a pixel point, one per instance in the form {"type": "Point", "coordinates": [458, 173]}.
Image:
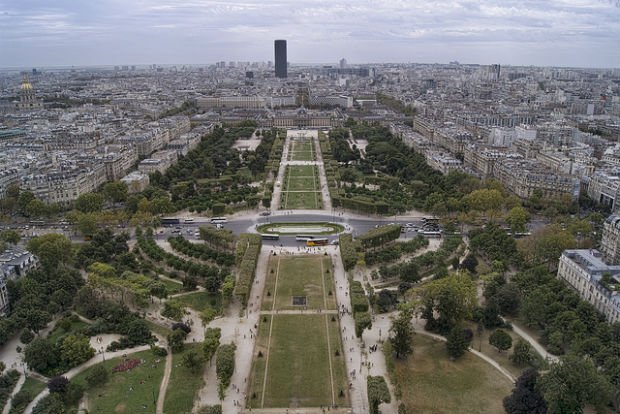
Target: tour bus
{"type": "Point", "coordinates": [429, 220]}
{"type": "Point", "coordinates": [317, 242]}
{"type": "Point", "coordinates": [169, 221]}
{"type": "Point", "coordinates": [270, 236]}
{"type": "Point", "coordinates": [303, 238]}
{"type": "Point", "coordinates": [219, 220]}
{"type": "Point", "coordinates": [189, 220]}
{"type": "Point", "coordinates": [431, 233]}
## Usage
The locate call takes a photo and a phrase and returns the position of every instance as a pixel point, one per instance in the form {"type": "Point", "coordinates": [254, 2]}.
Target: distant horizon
{"type": "Point", "coordinates": [550, 33]}
{"type": "Point", "coordinates": [292, 64]}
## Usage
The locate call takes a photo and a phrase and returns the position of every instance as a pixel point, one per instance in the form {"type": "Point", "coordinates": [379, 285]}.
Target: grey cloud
{"type": "Point", "coordinates": [545, 32]}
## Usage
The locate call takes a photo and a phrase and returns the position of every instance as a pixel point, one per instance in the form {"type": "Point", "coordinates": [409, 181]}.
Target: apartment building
{"type": "Point", "coordinates": [594, 280]}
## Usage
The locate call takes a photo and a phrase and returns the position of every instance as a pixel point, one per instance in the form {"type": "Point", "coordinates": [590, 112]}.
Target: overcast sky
{"type": "Point", "coordinates": [94, 32]}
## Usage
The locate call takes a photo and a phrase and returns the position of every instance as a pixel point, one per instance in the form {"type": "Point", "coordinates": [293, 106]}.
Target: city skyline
{"type": "Point", "coordinates": [580, 33]}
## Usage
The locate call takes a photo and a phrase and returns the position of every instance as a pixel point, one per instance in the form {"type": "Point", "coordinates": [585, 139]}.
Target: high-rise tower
{"type": "Point", "coordinates": [280, 58]}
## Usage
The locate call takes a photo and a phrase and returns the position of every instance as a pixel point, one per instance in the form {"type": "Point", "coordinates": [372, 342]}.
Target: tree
{"type": "Point", "coordinates": [36, 208]}
{"type": "Point", "coordinates": [572, 383]}
{"type": "Point", "coordinates": [75, 349]}
{"type": "Point", "coordinates": [210, 409]}
{"type": "Point", "coordinates": [115, 191]}
{"type": "Point", "coordinates": [500, 340]}
{"type": "Point", "coordinates": [522, 354]}
{"type": "Point", "coordinates": [175, 340]}
{"type": "Point", "coordinates": [52, 249]}
{"type": "Point", "coordinates": [207, 315]}
{"type": "Point", "coordinates": [453, 298]}
{"type": "Point", "coordinates": [192, 360]}
{"type": "Point", "coordinates": [174, 310]}
{"type": "Point", "coordinates": [517, 219]}
{"type": "Point", "coordinates": [41, 355]}
{"type": "Point", "coordinates": [87, 224]}
{"type": "Point", "coordinates": [2, 367]}
{"type": "Point", "coordinates": [36, 319]}
{"type": "Point", "coordinates": [10, 236]}
{"type": "Point", "coordinates": [457, 342]}
{"type": "Point", "coordinates": [469, 263]}
{"type": "Point", "coordinates": [58, 384]}
{"type": "Point", "coordinates": [89, 202]}
{"type": "Point", "coordinates": [525, 397]}
{"type": "Point", "coordinates": [225, 363]}
{"type": "Point", "coordinates": [378, 393]}
{"type": "Point", "coordinates": [97, 376]}
{"type": "Point", "coordinates": [402, 331]}
{"type": "Point", "coordinates": [211, 342]}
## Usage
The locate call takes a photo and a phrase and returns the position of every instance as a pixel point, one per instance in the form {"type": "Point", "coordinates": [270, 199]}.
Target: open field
{"type": "Point", "coordinates": [133, 391]}
{"type": "Point", "coordinates": [184, 384]}
{"type": "Point", "coordinates": [200, 301]}
{"type": "Point", "coordinates": [294, 369]}
{"type": "Point", "coordinates": [301, 188]}
{"type": "Point", "coordinates": [301, 277]}
{"type": "Point", "coordinates": [431, 383]}
{"type": "Point", "coordinates": [301, 150]}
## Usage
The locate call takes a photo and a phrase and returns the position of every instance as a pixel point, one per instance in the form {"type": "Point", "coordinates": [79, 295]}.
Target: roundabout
{"type": "Point", "coordinates": [318, 228]}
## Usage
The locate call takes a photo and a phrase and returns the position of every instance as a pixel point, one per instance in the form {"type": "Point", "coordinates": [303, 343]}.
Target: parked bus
{"type": "Point", "coordinates": [431, 233]}
{"type": "Point", "coordinates": [303, 238]}
{"type": "Point", "coordinates": [169, 221]}
{"type": "Point", "coordinates": [430, 220]}
{"type": "Point", "coordinates": [189, 220]}
{"type": "Point", "coordinates": [219, 220]}
{"type": "Point", "coordinates": [270, 236]}
{"type": "Point", "coordinates": [317, 242]}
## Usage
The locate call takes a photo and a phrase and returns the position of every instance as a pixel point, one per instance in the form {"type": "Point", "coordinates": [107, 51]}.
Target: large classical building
{"type": "Point", "coordinates": [14, 263]}
{"type": "Point", "coordinates": [594, 280]}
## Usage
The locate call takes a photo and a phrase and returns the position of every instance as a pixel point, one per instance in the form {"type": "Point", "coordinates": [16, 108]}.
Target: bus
{"type": "Point", "coordinates": [270, 236]}
{"type": "Point", "coordinates": [219, 220]}
{"type": "Point", "coordinates": [430, 220]}
{"type": "Point", "coordinates": [189, 220]}
{"type": "Point", "coordinates": [317, 242]}
{"type": "Point", "coordinates": [303, 238]}
{"type": "Point", "coordinates": [169, 221]}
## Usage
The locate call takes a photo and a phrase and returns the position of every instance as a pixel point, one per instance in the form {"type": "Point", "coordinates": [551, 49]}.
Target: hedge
{"type": "Point", "coordinates": [394, 251]}
{"type": "Point", "coordinates": [359, 301]}
{"type": "Point", "coordinates": [380, 235]}
{"type": "Point", "coordinates": [248, 249]}
{"type": "Point", "coordinates": [201, 251]}
{"type": "Point", "coordinates": [348, 251]}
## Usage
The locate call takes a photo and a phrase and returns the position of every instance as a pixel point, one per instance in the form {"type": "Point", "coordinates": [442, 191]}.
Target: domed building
{"type": "Point", "coordinates": [27, 98]}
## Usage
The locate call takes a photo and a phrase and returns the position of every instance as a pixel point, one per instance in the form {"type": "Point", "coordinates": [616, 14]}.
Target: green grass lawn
{"type": "Point", "coordinates": [298, 373]}
{"type": "Point", "coordinates": [301, 183]}
{"type": "Point", "coordinates": [158, 329]}
{"type": "Point", "coordinates": [32, 387]}
{"type": "Point", "coordinates": [130, 392]}
{"type": "Point", "coordinates": [184, 385]}
{"type": "Point", "coordinates": [302, 151]}
{"type": "Point", "coordinates": [431, 383]}
{"type": "Point", "coordinates": [172, 287]}
{"type": "Point", "coordinates": [301, 170]}
{"type": "Point", "coordinates": [200, 301]}
{"type": "Point", "coordinates": [58, 333]}
{"type": "Point", "coordinates": [503, 358]}
{"type": "Point", "coordinates": [274, 228]}
{"type": "Point", "coordinates": [304, 200]}
{"type": "Point", "coordinates": [299, 276]}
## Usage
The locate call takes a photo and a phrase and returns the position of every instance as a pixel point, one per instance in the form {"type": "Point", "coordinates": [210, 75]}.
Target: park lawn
{"type": "Point", "coordinates": [481, 343]}
{"type": "Point", "coordinates": [277, 228]}
{"type": "Point", "coordinates": [184, 384]}
{"type": "Point", "coordinates": [299, 276]}
{"type": "Point", "coordinates": [158, 329]}
{"type": "Point", "coordinates": [58, 333]}
{"type": "Point", "coordinates": [130, 392]}
{"type": "Point", "coordinates": [298, 373]}
{"type": "Point", "coordinates": [172, 287]}
{"type": "Point", "coordinates": [339, 366]}
{"type": "Point", "coordinates": [32, 387]}
{"type": "Point", "coordinates": [431, 383]}
{"type": "Point", "coordinates": [302, 156]}
{"type": "Point", "coordinates": [301, 170]}
{"type": "Point", "coordinates": [200, 301]}
{"type": "Point", "coordinates": [299, 183]}
{"type": "Point", "coordinates": [303, 200]}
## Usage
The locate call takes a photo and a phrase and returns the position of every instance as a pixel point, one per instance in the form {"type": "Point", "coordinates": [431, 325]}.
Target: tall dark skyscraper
{"type": "Point", "coordinates": [280, 49]}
